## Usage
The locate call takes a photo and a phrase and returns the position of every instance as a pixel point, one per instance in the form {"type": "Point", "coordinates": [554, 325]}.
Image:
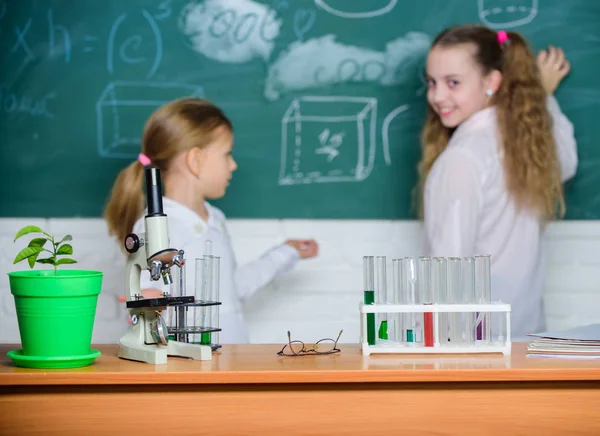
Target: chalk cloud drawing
{"type": "Point", "coordinates": [371, 8]}
{"type": "Point", "coordinates": [328, 139]}
{"type": "Point", "coordinates": [230, 31]}
{"type": "Point", "coordinates": [507, 14]}
{"type": "Point", "coordinates": [322, 62]}
{"type": "Point", "coordinates": [123, 108]}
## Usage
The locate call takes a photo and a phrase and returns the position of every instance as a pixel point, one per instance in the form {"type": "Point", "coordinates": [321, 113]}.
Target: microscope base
{"type": "Point", "coordinates": [132, 346]}
{"type": "Point", "coordinates": [193, 351]}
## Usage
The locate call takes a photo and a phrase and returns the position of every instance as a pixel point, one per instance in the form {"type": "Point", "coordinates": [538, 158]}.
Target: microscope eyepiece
{"type": "Point", "coordinates": [154, 192]}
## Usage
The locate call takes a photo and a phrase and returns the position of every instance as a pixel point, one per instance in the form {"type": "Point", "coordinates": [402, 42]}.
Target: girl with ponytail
{"type": "Point", "coordinates": [191, 142]}
{"type": "Point", "coordinates": [496, 149]}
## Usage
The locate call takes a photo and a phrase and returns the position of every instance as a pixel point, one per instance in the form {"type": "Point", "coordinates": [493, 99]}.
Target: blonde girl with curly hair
{"type": "Point", "coordinates": [496, 149]}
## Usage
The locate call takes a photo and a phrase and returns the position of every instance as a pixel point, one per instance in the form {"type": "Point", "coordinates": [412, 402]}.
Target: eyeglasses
{"type": "Point", "coordinates": [297, 348]}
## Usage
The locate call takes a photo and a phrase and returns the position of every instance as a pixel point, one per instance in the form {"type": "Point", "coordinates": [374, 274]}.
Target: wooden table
{"type": "Point", "coordinates": [248, 389]}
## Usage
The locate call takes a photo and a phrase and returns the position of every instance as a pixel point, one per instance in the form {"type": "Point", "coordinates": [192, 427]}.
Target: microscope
{"type": "Point", "coordinates": [148, 339]}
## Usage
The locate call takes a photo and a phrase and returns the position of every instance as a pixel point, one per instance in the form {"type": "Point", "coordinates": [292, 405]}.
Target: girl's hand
{"type": "Point", "coordinates": [306, 248]}
{"type": "Point", "coordinates": [553, 68]}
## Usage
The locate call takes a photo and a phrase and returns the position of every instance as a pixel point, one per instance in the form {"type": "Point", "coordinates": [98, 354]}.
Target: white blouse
{"type": "Point", "coordinates": [468, 211]}
{"type": "Point", "coordinates": [189, 232]}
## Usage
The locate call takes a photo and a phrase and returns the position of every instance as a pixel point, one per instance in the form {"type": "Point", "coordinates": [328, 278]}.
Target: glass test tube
{"type": "Point", "coordinates": [398, 318]}
{"type": "Point", "coordinates": [381, 294]}
{"type": "Point", "coordinates": [215, 295]}
{"type": "Point", "coordinates": [171, 314]}
{"type": "Point", "coordinates": [453, 296]}
{"type": "Point", "coordinates": [369, 296]}
{"type": "Point", "coordinates": [425, 293]}
{"type": "Point", "coordinates": [483, 289]}
{"type": "Point", "coordinates": [205, 312]}
{"type": "Point", "coordinates": [469, 297]}
{"type": "Point", "coordinates": [439, 295]}
{"type": "Point", "coordinates": [409, 295]}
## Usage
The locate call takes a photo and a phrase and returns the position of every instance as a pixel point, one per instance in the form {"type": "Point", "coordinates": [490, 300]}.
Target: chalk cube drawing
{"type": "Point", "coordinates": [123, 108]}
{"type": "Point", "coordinates": [328, 139]}
{"type": "Point", "coordinates": [506, 14]}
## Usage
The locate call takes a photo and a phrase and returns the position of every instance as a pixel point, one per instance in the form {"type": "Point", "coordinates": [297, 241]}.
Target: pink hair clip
{"type": "Point", "coordinates": [502, 37]}
{"type": "Point", "coordinates": [144, 160]}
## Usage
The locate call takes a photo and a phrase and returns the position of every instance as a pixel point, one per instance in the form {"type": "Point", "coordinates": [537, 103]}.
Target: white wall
{"type": "Point", "coordinates": [320, 296]}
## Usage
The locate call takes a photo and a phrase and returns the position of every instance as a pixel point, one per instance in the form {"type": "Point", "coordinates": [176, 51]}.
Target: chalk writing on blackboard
{"type": "Point", "coordinates": [370, 8]}
{"type": "Point", "coordinates": [507, 14]}
{"type": "Point", "coordinates": [323, 61]}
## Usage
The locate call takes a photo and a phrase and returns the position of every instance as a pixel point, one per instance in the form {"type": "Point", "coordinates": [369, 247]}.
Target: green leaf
{"type": "Point", "coordinates": [65, 249]}
{"type": "Point", "coordinates": [62, 261]}
{"type": "Point", "coordinates": [26, 252]}
{"type": "Point", "coordinates": [65, 239]}
{"type": "Point", "coordinates": [28, 229]}
{"type": "Point", "coordinates": [37, 242]}
{"type": "Point", "coordinates": [47, 260]}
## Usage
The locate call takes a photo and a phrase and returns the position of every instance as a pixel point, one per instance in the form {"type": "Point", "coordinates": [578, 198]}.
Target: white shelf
{"type": "Point", "coordinates": [384, 346]}
{"type": "Point", "coordinates": [433, 308]}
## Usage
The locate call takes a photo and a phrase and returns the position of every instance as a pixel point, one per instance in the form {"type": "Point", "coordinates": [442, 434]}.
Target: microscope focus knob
{"type": "Point", "coordinates": [132, 243]}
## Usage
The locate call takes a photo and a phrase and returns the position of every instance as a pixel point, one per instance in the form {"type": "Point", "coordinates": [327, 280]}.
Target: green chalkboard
{"type": "Point", "coordinates": [326, 96]}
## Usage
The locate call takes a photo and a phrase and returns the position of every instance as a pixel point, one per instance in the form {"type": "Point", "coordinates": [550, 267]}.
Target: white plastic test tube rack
{"type": "Point", "coordinates": [434, 306]}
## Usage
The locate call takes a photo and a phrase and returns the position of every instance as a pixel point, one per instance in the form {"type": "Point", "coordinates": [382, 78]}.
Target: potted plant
{"type": "Point", "coordinates": [55, 308]}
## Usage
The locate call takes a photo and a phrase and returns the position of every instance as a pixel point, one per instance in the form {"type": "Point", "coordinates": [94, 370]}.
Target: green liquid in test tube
{"type": "Point", "coordinates": [369, 296]}
{"type": "Point", "coordinates": [408, 284]}
{"type": "Point", "coordinates": [381, 296]}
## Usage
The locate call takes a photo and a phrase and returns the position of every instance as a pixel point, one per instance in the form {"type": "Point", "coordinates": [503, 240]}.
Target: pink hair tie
{"type": "Point", "coordinates": [502, 37]}
{"type": "Point", "coordinates": [144, 160]}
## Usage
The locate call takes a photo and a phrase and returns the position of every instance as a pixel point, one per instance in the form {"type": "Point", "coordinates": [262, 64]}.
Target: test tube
{"type": "Point", "coordinates": [369, 296]}
{"type": "Point", "coordinates": [453, 265]}
{"type": "Point", "coordinates": [439, 295]}
{"type": "Point", "coordinates": [398, 318]}
{"type": "Point", "coordinates": [483, 289]}
{"type": "Point", "coordinates": [381, 294]}
{"type": "Point", "coordinates": [426, 297]}
{"type": "Point", "coordinates": [215, 295]}
{"type": "Point", "coordinates": [206, 313]}
{"type": "Point", "coordinates": [409, 295]}
{"type": "Point", "coordinates": [469, 297]}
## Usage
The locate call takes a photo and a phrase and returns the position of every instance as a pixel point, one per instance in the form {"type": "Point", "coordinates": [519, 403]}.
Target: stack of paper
{"type": "Point", "coordinates": [582, 342]}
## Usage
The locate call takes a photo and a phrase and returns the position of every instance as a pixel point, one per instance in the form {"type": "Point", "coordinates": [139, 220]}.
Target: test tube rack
{"type": "Point", "coordinates": [502, 346]}
{"type": "Point", "coordinates": [434, 305]}
{"type": "Point", "coordinates": [184, 324]}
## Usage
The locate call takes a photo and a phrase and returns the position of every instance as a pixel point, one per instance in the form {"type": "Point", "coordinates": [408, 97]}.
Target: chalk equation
{"type": "Point", "coordinates": [134, 102]}
{"type": "Point", "coordinates": [328, 139]}
{"type": "Point", "coordinates": [58, 43]}
{"type": "Point", "coordinates": [507, 13]}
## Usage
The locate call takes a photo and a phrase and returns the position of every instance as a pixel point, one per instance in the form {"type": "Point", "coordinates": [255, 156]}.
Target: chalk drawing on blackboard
{"type": "Point", "coordinates": [507, 14]}
{"type": "Point", "coordinates": [129, 50]}
{"type": "Point", "coordinates": [385, 131]}
{"type": "Point", "coordinates": [372, 8]}
{"type": "Point", "coordinates": [328, 139]}
{"type": "Point", "coordinates": [230, 31]}
{"type": "Point", "coordinates": [123, 108]}
{"type": "Point", "coordinates": [322, 62]}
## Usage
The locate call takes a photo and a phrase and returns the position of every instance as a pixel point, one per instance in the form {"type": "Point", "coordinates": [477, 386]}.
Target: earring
{"type": "Point", "coordinates": [489, 92]}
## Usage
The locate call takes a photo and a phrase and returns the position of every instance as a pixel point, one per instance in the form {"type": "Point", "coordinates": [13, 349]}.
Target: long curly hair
{"type": "Point", "coordinates": [531, 163]}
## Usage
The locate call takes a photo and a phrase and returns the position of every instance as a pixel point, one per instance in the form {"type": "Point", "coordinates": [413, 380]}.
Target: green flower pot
{"type": "Point", "coordinates": [56, 315]}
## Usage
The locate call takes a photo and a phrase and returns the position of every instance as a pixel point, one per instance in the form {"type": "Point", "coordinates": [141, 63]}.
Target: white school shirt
{"type": "Point", "coordinates": [188, 231]}
{"type": "Point", "coordinates": [469, 211]}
